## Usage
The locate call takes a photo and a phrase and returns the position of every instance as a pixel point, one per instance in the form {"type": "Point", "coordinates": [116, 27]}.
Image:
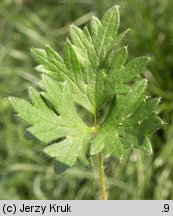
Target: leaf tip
{"type": "Point", "coordinates": [47, 45]}
{"type": "Point", "coordinates": [148, 59]}
{"type": "Point", "coordinates": [72, 26]}
{"type": "Point", "coordinates": [11, 99]}
{"type": "Point", "coordinates": [126, 48]}
{"type": "Point", "coordinates": [117, 7]}
{"type": "Point", "coordinates": [163, 122]}
{"type": "Point", "coordinates": [159, 100]}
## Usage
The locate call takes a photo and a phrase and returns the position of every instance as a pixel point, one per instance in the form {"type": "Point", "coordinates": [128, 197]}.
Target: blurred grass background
{"type": "Point", "coordinates": [24, 172]}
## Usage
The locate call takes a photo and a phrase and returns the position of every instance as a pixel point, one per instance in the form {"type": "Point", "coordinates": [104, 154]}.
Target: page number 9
{"type": "Point", "coordinates": [166, 208]}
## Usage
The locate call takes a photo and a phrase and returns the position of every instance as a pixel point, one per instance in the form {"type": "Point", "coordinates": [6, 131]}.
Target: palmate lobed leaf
{"type": "Point", "coordinates": [92, 73]}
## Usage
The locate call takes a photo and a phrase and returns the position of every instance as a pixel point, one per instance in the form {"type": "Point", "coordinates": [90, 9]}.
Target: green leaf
{"type": "Point", "coordinates": [49, 127]}
{"type": "Point", "coordinates": [107, 31]}
{"type": "Point", "coordinates": [59, 167]}
{"type": "Point", "coordinates": [92, 77]}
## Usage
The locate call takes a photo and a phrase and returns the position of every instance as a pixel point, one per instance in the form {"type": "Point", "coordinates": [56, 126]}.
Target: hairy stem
{"type": "Point", "coordinates": [102, 182]}
{"type": "Point", "coordinates": [101, 174]}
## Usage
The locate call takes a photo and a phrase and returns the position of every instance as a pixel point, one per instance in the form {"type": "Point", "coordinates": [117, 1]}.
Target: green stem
{"type": "Point", "coordinates": [102, 183]}
{"type": "Point", "coordinates": [95, 122]}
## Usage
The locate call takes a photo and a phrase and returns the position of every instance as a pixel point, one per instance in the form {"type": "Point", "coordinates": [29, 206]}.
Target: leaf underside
{"type": "Point", "coordinates": [92, 73]}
